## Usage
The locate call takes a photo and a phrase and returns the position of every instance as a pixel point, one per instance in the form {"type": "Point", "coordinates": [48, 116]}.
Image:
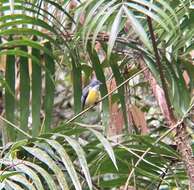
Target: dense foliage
{"type": "Point", "coordinates": [140, 134]}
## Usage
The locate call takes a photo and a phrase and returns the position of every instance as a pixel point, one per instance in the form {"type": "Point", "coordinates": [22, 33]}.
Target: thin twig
{"type": "Point", "coordinates": [81, 113]}
{"type": "Point", "coordinates": [15, 127]}
{"type": "Point", "coordinates": [108, 94]}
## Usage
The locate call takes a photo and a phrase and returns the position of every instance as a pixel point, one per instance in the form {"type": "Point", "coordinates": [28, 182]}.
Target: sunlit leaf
{"type": "Point", "coordinates": [114, 31]}
{"type": "Point", "coordinates": [42, 156]}
{"type": "Point", "coordinates": [106, 145]}
{"type": "Point", "coordinates": [67, 162]}
{"type": "Point", "coordinates": [138, 28]}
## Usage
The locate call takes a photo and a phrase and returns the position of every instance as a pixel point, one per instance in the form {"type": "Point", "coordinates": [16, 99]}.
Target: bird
{"type": "Point", "coordinates": [90, 93]}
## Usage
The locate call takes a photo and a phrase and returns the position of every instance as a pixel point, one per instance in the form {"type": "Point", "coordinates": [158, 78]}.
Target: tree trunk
{"type": "Point", "coordinates": [185, 150]}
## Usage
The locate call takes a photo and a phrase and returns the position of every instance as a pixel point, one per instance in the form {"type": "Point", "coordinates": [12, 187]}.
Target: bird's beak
{"type": "Point", "coordinates": [100, 83]}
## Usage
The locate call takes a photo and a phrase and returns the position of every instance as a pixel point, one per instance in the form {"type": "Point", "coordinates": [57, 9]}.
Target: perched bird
{"type": "Point", "coordinates": [90, 93]}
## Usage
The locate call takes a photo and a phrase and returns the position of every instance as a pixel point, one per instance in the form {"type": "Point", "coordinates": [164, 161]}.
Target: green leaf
{"type": "Point", "coordinates": [16, 146]}
{"type": "Point", "coordinates": [185, 97]}
{"type": "Point", "coordinates": [102, 22]}
{"type": "Point", "coordinates": [25, 42]}
{"type": "Point", "coordinates": [24, 93]}
{"type": "Point", "coordinates": [49, 89]}
{"type": "Point", "coordinates": [81, 156]}
{"type": "Point", "coordinates": [32, 8]}
{"type": "Point", "coordinates": [6, 174]}
{"type": "Point", "coordinates": [12, 185]}
{"type": "Point", "coordinates": [48, 178]}
{"type": "Point", "coordinates": [26, 31]}
{"type": "Point", "coordinates": [19, 53]}
{"type": "Point", "coordinates": [25, 20]}
{"type": "Point", "coordinates": [10, 96]}
{"type": "Point", "coordinates": [114, 31]}
{"type": "Point", "coordinates": [36, 180]}
{"type": "Point", "coordinates": [149, 13]}
{"type": "Point", "coordinates": [161, 11]}
{"type": "Point", "coordinates": [94, 21]}
{"type": "Point", "coordinates": [119, 79]}
{"type": "Point", "coordinates": [145, 161]}
{"type": "Point", "coordinates": [91, 13]}
{"type": "Point", "coordinates": [112, 183]}
{"type": "Point", "coordinates": [76, 75]}
{"type": "Point", "coordinates": [138, 28]}
{"type": "Point", "coordinates": [106, 145]}
{"type": "Point", "coordinates": [66, 161]}
{"type": "Point", "coordinates": [45, 158]}
{"type": "Point", "coordinates": [36, 93]}
{"type": "Point", "coordinates": [59, 7]}
{"type": "Point", "coordinates": [22, 180]}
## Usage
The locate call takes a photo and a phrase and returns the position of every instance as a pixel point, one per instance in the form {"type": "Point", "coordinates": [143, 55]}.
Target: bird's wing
{"type": "Point", "coordinates": [84, 96]}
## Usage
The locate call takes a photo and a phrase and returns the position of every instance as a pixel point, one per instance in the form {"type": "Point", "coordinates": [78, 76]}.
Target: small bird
{"type": "Point", "coordinates": [90, 93]}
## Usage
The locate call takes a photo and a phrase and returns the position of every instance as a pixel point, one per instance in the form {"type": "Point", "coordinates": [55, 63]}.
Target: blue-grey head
{"type": "Point", "coordinates": [95, 82]}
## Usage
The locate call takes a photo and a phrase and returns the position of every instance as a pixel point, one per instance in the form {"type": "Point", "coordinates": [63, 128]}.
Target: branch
{"type": "Point", "coordinates": [160, 69]}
